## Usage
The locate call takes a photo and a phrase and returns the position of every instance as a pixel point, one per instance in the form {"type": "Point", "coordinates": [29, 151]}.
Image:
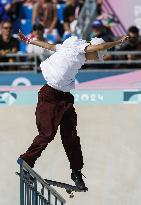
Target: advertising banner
{"type": "Point", "coordinates": [128, 11]}
{"type": "Point", "coordinates": [8, 98]}
{"type": "Point", "coordinates": [91, 88]}
{"type": "Point", "coordinates": [28, 79]}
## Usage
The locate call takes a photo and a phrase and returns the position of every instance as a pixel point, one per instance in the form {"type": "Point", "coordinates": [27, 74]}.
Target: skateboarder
{"type": "Point", "coordinates": [55, 102]}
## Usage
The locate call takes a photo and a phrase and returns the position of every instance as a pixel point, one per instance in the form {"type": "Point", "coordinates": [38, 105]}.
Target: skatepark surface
{"type": "Point", "coordinates": [111, 144]}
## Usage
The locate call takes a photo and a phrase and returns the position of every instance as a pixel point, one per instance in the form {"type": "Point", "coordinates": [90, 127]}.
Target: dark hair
{"type": "Point", "coordinates": [6, 21]}
{"type": "Point", "coordinates": [38, 27]}
{"type": "Point", "coordinates": [133, 29]}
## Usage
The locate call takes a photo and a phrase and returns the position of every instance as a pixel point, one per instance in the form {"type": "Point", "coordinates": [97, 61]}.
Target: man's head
{"type": "Point", "coordinates": [133, 33]}
{"type": "Point", "coordinates": [6, 30]}
{"type": "Point", "coordinates": [97, 27]}
{"type": "Point", "coordinates": [97, 41]}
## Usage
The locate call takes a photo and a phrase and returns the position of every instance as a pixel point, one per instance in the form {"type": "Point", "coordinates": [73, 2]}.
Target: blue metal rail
{"type": "Point", "coordinates": [34, 190]}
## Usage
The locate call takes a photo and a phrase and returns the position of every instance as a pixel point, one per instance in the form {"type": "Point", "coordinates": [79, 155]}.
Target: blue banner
{"type": "Point", "coordinates": [91, 97]}
{"type": "Point", "coordinates": [27, 78]}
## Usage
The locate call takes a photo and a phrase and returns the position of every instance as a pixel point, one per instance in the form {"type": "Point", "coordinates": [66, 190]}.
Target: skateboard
{"type": "Point", "coordinates": [69, 188]}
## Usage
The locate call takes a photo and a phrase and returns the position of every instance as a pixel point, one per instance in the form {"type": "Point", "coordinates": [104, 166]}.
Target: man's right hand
{"type": "Point", "coordinates": [22, 37]}
{"type": "Point", "coordinates": [124, 39]}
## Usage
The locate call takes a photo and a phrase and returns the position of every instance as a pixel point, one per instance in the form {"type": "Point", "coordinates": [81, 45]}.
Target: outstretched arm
{"type": "Point", "coordinates": [42, 44]}
{"type": "Point", "coordinates": [106, 45]}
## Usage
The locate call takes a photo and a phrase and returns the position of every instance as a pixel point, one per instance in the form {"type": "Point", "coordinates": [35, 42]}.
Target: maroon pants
{"type": "Point", "coordinates": [55, 108]}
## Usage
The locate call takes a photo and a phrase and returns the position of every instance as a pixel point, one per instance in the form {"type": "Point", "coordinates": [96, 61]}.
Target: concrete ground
{"type": "Point", "coordinates": [111, 143]}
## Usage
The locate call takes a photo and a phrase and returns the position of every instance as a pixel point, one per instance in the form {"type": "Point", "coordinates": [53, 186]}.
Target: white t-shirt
{"type": "Point", "coordinates": [59, 69]}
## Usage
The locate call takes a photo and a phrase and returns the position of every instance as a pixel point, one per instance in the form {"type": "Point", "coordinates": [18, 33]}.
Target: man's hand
{"type": "Point", "coordinates": [124, 39]}
{"type": "Point", "coordinates": [39, 43]}
{"type": "Point", "coordinates": [22, 37]}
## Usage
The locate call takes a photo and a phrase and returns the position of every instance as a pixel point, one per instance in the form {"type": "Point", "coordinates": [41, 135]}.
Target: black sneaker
{"type": "Point", "coordinates": [76, 176]}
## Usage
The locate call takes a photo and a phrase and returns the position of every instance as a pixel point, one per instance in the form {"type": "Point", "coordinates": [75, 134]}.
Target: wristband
{"type": "Point", "coordinates": [28, 40]}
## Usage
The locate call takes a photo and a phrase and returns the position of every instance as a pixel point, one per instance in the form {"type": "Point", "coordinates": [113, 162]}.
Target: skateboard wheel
{"type": "Point", "coordinates": [71, 195]}
{"type": "Point", "coordinates": [68, 191]}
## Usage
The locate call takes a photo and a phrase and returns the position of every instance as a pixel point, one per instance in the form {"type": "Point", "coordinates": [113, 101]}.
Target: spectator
{"type": "Point", "coordinates": [99, 7]}
{"type": "Point", "coordinates": [28, 3]}
{"type": "Point", "coordinates": [134, 44]}
{"type": "Point", "coordinates": [38, 34]}
{"type": "Point", "coordinates": [8, 44]}
{"type": "Point", "coordinates": [71, 13]}
{"type": "Point", "coordinates": [109, 19]}
{"type": "Point", "coordinates": [3, 14]}
{"type": "Point", "coordinates": [9, 9]}
{"type": "Point", "coordinates": [45, 13]}
{"type": "Point", "coordinates": [101, 31]}
{"type": "Point", "coordinates": [81, 3]}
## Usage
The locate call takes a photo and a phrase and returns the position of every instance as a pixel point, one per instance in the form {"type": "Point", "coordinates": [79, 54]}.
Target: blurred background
{"type": "Point", "coordinates": [56, 20]}
{"type": "Point", "coordinates": [107, 96]}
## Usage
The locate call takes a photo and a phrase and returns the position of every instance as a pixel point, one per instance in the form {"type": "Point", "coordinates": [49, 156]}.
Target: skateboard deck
{"type": "Point", "coordinates": [69, 188]}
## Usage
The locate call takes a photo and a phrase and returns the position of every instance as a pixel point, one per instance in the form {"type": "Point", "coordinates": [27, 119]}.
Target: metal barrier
{"type": "Point", "coordinates": [33, 64]}
{"type": "Point", "coordinates": [18, 62]}
{"type": "Point", "coordinates": [118, 61]}
{"type": "Point", "coordinates": [34, 190]}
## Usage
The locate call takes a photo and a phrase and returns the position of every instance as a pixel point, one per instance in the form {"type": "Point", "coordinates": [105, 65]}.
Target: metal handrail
{"type": "Point", "coordinates": [18, 55]}
{"type": "Point", "coordinates": [16, 63]}
{"type": "Point", "coordinates": [37, 179]}
{"type": "Point", "coordinates": [124, 52]}
{"type": "Point", "coordinates": [118, 61]}
{"type": "Point", "coordinates": [35, 55]}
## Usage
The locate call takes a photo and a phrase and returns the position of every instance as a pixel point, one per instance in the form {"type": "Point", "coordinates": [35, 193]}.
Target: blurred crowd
{"type": "Point", "coordinates": [53, 21]}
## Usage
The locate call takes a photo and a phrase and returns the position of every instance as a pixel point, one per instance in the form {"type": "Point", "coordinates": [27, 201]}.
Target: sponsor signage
{"type": "Point", "coordinates": [82, 97]}
{"type": "Point", "coordinates": [28, 79]}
